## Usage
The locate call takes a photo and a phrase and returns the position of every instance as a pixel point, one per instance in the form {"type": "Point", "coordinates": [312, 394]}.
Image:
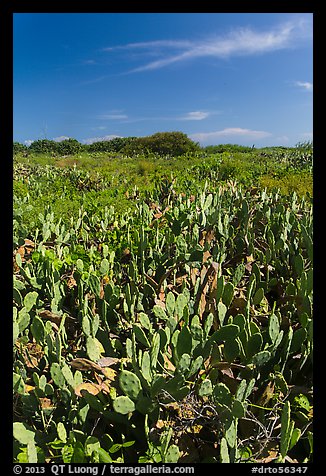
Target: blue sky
{"type": "Point", "coordinates": [237, 78]}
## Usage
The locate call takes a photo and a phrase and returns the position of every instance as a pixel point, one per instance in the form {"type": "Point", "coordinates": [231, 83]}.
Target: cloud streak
{"type": "Point", "coordinates": [187, 116]}
{"type": "Point", "coordinates": [91, 140]}
{"type": "Point", "coordinates": [239, 42]}
{"type": "Point", "coordinates": [194, 116]}
{"type": "Point", "coordinates": [230, 132]}
{"type": "Point", "coordinates": [60, 138]}
{"type": "Point", "coordinates": [156, 44]}
{"type": "Point", "coordinates": [304, 85]}
{"type": "Point", "coordinates": [112, 117]}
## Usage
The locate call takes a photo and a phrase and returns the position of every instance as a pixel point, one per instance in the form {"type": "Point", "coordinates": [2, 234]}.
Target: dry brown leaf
{"type": "Point", "coordinates": [107, 361]}
{"type": "Point", "coordinates": [85, 364]}
{"type": "Point", "coordinates": [160, 424]}
{"type": "Point", "coordinates": [50, 316]}
{"type": "Point", "coordinates": [194, 273]}
{"type": "Point", "coordinates": [206, 256]}
{"type": "Point", "coordinates": [206, 237]}
{"type": "Point", "coordinates": [32, 354]}
{"type": "Point", "coordinates": [105, 387]}
{"type": "Point", "coordinates": [203, 273]}
{"type": "Point", "coordinates": [101, 290]}
{"type": "Point", "coordinates": [104, 384]}
{"type": "Point", "coordinates": [89, 387]}
{"type": "Point", "coordinates": [168, 364]}
{"type": "Point", "coordinates": [202, 304]}
{"type": "Point", "coordinates": [101, 366]}
{"type": "Point", "coordinates": [21, 251]}
{"type": "Point", "coordinates": [227, 371]}
{"type": "Point", "coordinates": [206, 292]}
{"type": "Point", "coordinates": [71, 283]}
{"type": "Point", "coordinates": [201, 240]}
{"type": "Point", "coordinates": [46, 403]}
{"type": "Point", "coordinates": [29, 243]}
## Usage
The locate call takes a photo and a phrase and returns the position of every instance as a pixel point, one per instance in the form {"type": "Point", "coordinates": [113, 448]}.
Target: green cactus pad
{"type": "Point", "coordinates": [123, 405]}
{"type": "Point", "coordinates": [130, 384]}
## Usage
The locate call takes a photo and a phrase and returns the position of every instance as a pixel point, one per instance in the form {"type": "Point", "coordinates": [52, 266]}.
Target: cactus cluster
{"type": "Point", "coordinates": [206, 298]}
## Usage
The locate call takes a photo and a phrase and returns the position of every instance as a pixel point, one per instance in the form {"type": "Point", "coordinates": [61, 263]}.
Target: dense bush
{"type": "Point", "coordinates": [46, 146]}
{"type": "Point", "coordinates": [68, 147]}
{"type": "Point", "coordinates": [162, 143]}
{"type": "Point", "coordinates": [112, 145]}
{"type": "Point", "coordinates": [19, 148]}
{"type": "Point", "coordinates": [43, 146]}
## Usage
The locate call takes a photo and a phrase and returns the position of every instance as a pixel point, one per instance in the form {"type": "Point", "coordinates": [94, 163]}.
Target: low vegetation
{"type": "Point", "coordinates": [163, 304]}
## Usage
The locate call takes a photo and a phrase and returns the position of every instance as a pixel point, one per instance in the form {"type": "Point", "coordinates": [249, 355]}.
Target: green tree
{"type": "Point", "coordinates": [19, 148]}
{"type": "Point", "coordinates": [68, 147]}
{"type": "Point", "coordinates": [43, 146]}
{"type": "Point", "coordinates": [162, 143]}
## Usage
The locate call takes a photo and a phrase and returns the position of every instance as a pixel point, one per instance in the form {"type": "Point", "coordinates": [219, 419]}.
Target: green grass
{"type": "Point", "coordinates": [101, 179]}
{"type": "Point", "coordinates": [195, 275]}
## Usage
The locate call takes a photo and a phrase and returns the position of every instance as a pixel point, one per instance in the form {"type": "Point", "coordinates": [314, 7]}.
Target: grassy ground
{"type": "Point", "coordinates": [118, 180]}
{"type": "Point", "coordinates": [192, 277]}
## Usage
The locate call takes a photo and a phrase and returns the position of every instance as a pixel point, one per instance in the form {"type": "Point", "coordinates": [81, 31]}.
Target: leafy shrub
{"type": "Point", "coordinates": [171, 144]}
{"type": "Point", "coordinates": [64, 147]}
{"type": "Point", "coordinates": [68, 147]}
{"type": "Point", "coordinates": [113, 145]}
{"type": "Point", "coordinates": [19, 148]}
{"type": "Point", "coordinates": [43, 146]}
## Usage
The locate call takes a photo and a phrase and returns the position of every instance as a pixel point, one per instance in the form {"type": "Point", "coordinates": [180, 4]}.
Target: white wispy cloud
{"type": "Point", "coordinates": [152, 44]}
{"type": "Point", "coordinates": [195, 116]}
{"type": "Point", "coordinates": [188, 116]}
{"type": "Point", "coordinates": [304, 85]}
{"type": "Point", "coordinates": [114, 117]}
{"type": "Point", "coordinates": [28, 142]}
{"type": "Point", "coordinates": [238, 42]}
{"type": "Point", "coordinates": [91, 140]}
{"type": "Point", "coordinates": [60, 138]}
{"type": "Point", "coordinates": [235, 132]}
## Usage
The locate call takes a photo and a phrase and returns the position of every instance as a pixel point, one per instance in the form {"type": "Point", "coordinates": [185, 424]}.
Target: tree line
{"type": "Point", "coordinates": [161, 143]}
